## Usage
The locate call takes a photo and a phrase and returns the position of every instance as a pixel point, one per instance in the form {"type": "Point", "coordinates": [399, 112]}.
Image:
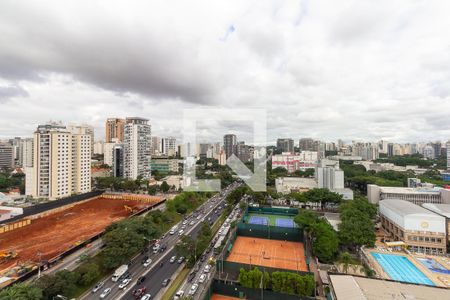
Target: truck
{"type": "Point", "coordinates": [119, 272]}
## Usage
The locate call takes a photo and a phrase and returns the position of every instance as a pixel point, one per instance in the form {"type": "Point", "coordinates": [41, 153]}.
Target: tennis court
{"type": "Point", "coordinates": [272, 220]}
{"type": "Point", "coordinates": [269, 253]}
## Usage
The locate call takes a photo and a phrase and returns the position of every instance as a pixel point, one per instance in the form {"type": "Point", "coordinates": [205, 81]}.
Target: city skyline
{"type": "Point", "coordinates": [381, 74]}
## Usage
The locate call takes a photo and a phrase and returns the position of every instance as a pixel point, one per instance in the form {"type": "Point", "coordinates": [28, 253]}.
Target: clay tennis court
{"type": "Point", "coordinates": [221, 297]}
{"type": "Point", "coordinates": [269, 253]}
{"type": "Point", "coordinates": [55, 233]}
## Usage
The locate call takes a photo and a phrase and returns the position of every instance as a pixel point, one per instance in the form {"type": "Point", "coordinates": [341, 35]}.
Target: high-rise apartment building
{"type": "Point", "coordinates": [448, 155]}
{"type": "Point", "coordinates": [156, 145]}
{"type": "Point", "coordinates": [169, 146]}
{"type": "Point", "coordinates": [306, 144]}
{"type": "Point", "coordinates": [243, 152]}
{"type": "Point", "coordinates": [428, 152]}
{"type": "Point", "coordinates": [285, 145]}
{"type": "Point", "coordinates": [61, 162]}
{"type": "Point", "coordinates": [26, 153]}
{"type": "Point", "coordinates": [229, 144]}
{"type": "Point", "coordinates": [137, 148]}
{"type": "Point", "coordinates": [6, 156]}
{"type": "Point", "coordinates": [114, 130]}
{"type": "Point", "coordinates": [117, 159]}
{"type": "Point", "coordinates": [85, 129]}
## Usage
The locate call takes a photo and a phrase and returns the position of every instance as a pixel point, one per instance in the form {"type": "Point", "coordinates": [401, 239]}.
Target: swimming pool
{"type": "Point", "coordinates": [433, 265]}
{"type": "Point", "coordinates": [399, 268]}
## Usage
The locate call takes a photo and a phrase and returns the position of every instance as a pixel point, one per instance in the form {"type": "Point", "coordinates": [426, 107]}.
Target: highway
{"type": "Point", "coordinates": [155, 274]}
{"type": "Point", "coordinates": [187, 284]}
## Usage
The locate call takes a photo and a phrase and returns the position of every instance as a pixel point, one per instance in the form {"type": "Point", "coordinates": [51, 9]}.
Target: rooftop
{"type": "Point", "coordinates": [442, 209]}
{"type": "Point", "coordinates": [405, 208]}
{"type": "Point", "coordinates": [406, 190]}
{"type": "Point", "coordinates": [348, 287]}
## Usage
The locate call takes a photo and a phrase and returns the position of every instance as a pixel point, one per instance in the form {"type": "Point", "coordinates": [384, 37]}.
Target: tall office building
{"type": "Point", "coordinates": [437, 149]}
{"type": "Point", "coordinates": [428, 152]}
{"type": "Point", "coordinates": [117, 160]}
{"type": "Point", "coordinates": [243, 152]}
{"type": "Point", "coordinates": [114, 130]}
{"type": "Point", "coordinates": [169, 146]}
{"type": "Point", "coordinates": [61, 162]}
{"type": "Point", "coordinates": [306, 144]}
{"type": "Point", "coordinates": [390, 149]}
{"type": "Point", "coordinates": [137, 148]}
{"type": "Point", "coordinates": [229, 144]}
{"type": "Point", "coordinates": [6, 156]}
{"type": "Point", "coordinates": [285, 145]}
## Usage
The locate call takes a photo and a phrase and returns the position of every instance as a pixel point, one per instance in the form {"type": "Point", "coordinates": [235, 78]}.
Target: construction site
{"type": "Point", "coordinates": [46, 236]}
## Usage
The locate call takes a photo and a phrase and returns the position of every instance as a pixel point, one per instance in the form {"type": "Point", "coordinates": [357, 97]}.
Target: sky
{"type": "Point", "coordinates": [351, 70]}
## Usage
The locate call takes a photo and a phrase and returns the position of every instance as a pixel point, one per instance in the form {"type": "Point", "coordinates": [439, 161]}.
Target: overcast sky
{"type": "Point", "coordinates": [363, 70]}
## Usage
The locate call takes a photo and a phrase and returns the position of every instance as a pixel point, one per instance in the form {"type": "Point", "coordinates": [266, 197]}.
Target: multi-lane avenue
{"type": "Point", "coordinates": [161, 268]}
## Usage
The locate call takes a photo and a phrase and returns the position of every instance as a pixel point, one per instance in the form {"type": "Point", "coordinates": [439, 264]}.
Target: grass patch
{"type": "Point", "coordinates": [173, 288]}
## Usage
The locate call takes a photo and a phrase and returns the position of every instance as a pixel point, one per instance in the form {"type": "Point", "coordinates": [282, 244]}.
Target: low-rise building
{"type": "Point", "coordinates": [164, 166]}
{"type": "Point", "coordinates": [442, 210]}
{"type": "Point", "coordinates": [417, 196]}
{"type": "Point", "coordinates": [420, 229]}
{"type": "Point", "coordinates": [346, 287]}
{"type": "Point", "coordinates": [286, 185]}
{"type": "Point", "coordinates": [293, 162]}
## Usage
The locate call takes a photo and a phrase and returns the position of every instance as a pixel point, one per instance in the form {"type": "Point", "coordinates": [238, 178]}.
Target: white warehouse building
{"type": "Point", "coordinates": [420, 229]}
{"type": "Point", "coordinates": [417, 196]}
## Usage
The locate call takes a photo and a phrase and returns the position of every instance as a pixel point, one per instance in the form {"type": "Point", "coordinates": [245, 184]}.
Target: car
{"type": "Point", "coordinates": [162, 248]}
{"type": "Point", "coordinates": [207, 268]}
{"type": "Point", "coordinates": [98, 287]}
{"type": "Point", "coordinates": [105, 293]}
{"type": "Point", "coordinates": [183, 226]}
{"type": "Point", "coordinates": [140, 280]}
{"type": "Point", "coordinates": [139, 292]}
{"type": "Point", "coordinates": [202, 278]}
{"type": "Point", "coordinates": [173, 259]}
{"type": "Point", "coordinates": [193, 289]}
{"type": "Point", "coordinates": [180, 232]}
{"type": "Point", "coordinates": [147, 263]}
{"type": "Point", "coordinates": [202, 258]}
{"type": "Point", "coordinates": [185, 222]}
{"type": "Point", "coordinates": [192, 222]}
{"type": "Point", "coordinates": [166, 282]}
{"type": "Point", "coordinates": [124, 283]}
{"type": "Point", "coordinates": [199, 217]}
{"type": "Point", "coordinates": [146, 297]}
{"type": "Point", "coordinates": [180, 259]}
{"type": "Point", "coordinates": [144, 259]}
{"type": "Point", "coordinates": [178, 295]}
{"type": "Point", "coordinates": [163, 236]}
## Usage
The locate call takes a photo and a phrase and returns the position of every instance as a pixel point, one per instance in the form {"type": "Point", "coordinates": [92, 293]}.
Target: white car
{"type": "Point", "coordinates": [193, 289]}
{"type": "Point", "coordinates": [173, 259]}
{"type": "Point", "coordinates": [207, 268]}
{"type": "Point", "coordinates": [202, 278]}
{"type": "Point", "coordinates": [178, 295]}
{"type": "Point", "coordinates": [98, 287]}
{"type": "Point", "coordinates": [147, 263]}
{"type": "Point", "coordinates": [146, 297]}
{"type": "Point", "coordinates": [199, 217]}
{"type": "Point", "coordinates": [124, 283]}
{"type": "Point", "coordinates": [180, 232]}
{"type": "Point", "coordinates": [185, 222]}
{"type": "Point", "coordinates": [192, 222]}
{"type": "Point", "coordinates": [105, 293]}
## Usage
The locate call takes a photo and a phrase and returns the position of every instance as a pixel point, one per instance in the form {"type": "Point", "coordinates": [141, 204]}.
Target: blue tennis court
{"type": "Point", "coordinates": [258, 220]}
{"type": "Point", "coordinates": [284, 223]}
{"type": "Point", "coordinates": [398, 267]}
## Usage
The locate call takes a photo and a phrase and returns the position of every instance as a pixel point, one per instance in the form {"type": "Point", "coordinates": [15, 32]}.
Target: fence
{"type": "Point", "coordinates": [273, 211]}
{"type": "Point", "coordinates": [14, 225]}
{"type": "Point", "coordinates": [232, 289]}
{"type": "Point", "coordinates": [270, 232]}
{"type": "Point", "coordinates": [39, 208]}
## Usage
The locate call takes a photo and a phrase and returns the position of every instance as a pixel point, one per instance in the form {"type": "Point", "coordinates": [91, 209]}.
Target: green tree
{"type": "Point", "coordinates": [165, 187]}
{"type": "Point", "coordinates": [152, 189]}
{"type": "Point", "coordinates": [89, 273]}
{"type": "Point", "coordinates": [21, 291]}
{"type": "Point", "coordinates": [345, 259]}
{"type": "Point", "coordinates": [322, 196]}
{"type": "Point", "coordinates": [62, 282]}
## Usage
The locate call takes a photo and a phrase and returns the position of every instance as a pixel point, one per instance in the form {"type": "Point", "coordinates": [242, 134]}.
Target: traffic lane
{"type": "Point", "coordinates": [157, 274]}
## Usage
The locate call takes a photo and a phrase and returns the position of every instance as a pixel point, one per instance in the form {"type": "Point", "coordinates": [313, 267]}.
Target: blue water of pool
{"type": "Point", "coordinates": [399, 268]}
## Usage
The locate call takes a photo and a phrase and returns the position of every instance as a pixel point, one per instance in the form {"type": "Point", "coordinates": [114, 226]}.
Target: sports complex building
{"type": "Point", "coordinates": [266, 238]}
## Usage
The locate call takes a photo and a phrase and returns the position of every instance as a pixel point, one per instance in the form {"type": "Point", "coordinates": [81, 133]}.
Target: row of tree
{"type": "Point", "coordinates": [284, 282]}
{"type": "Point", "coordinates": [322, 196]}
{"type": "Point", "coordinates": [191, 248]}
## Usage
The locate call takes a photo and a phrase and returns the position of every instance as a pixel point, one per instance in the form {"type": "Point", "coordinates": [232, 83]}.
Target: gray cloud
{"type": "Point", "coordinates": [321, 68]}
